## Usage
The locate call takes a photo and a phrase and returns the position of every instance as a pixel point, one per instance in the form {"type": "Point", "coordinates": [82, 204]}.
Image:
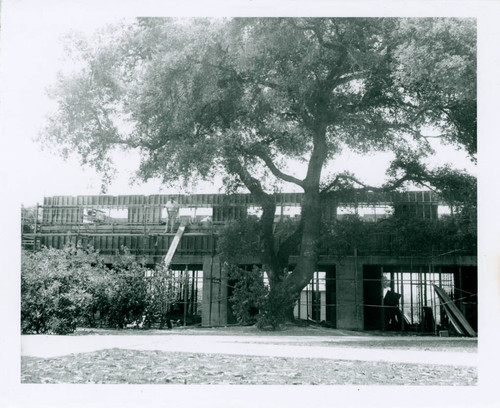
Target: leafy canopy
{"type": "Point", "coordinates": [245, 96]}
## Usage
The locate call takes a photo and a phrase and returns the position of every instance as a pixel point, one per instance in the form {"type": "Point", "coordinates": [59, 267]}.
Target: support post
{"type": "Point", "coordinates": [186, 287]}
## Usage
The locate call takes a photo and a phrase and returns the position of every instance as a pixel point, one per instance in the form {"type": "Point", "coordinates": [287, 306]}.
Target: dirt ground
{"type": "Point", "coordinates": [244, 355]}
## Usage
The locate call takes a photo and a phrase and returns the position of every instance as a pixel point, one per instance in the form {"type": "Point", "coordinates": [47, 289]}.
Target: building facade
{"type": "Point", "coordinates": [351, 291]}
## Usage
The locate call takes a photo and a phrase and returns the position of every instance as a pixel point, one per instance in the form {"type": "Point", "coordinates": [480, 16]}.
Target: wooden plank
{"type": "Point", "coordinates": [454, 313]}
{"type": "Point", "coordinates": [173, 246]}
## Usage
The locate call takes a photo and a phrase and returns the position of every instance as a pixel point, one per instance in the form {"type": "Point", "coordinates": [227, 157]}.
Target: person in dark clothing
{"type": "Point", "coordinates": [392, 312]}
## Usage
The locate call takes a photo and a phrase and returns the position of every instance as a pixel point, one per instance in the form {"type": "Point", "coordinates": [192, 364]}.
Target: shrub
{"type": "Point", "coordinates": [64, 288]}
{"type": "Point", "coordinates": [163, 290]}
{"type": "Point", "coordinates": [53, 289]}
{"type": "Point", "coordinates": [249, 293]}
{"type": "Point", "coordinates": [128, 295]}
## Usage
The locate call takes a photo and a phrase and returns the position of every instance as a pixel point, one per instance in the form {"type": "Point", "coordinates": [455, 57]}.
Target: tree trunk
{"type": "Point", "coordinates": [311, 216]}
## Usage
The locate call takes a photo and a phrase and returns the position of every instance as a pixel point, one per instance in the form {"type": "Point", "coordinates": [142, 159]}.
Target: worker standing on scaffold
{"type": "Point", "coordinates": [172, 211]}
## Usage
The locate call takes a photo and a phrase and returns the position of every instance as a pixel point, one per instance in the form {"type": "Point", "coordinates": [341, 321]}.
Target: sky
{"type": "Point", "coordinates": [32, 54]}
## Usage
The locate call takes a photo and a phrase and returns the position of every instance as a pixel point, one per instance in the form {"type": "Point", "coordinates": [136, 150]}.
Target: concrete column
{"type": "Point", "coordinates": [349, 294]}
{"type": "Point", "coordinates": [214, 304]}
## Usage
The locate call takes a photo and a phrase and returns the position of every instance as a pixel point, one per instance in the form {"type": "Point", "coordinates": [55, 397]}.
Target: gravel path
{"type": "Point", "coordinates": [119, 366]}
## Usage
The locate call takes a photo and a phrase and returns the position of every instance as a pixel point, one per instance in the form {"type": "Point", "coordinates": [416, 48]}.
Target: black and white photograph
{"type": "Point", "coordinates": [246, 204]}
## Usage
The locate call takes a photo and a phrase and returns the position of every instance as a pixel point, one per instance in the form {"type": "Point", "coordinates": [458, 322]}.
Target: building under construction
{"type": "Point", "coordinates": [369, 289]}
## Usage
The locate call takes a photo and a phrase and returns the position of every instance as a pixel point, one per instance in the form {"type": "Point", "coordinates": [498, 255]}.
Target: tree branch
{"type": "Point", "coordinates": [365, 187]}
{"type": "Point", "coordinates": [277, 172]}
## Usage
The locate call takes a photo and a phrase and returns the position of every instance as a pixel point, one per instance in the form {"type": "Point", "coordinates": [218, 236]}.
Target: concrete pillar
{"type": "Point", "coordinates": [349, 294]}
{"type": "Point", "coordinates": [214, 303]}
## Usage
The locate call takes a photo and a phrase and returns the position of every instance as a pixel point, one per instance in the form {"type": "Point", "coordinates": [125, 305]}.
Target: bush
{"type": "Point", "coordinates": [65, 288]}
{"type": "Point", "coordinates": [249, 293]}
{"type": "Point", "coordinates": [163, 291]}
{"type": "Point", "coordinates": [53, 294]}
{"type": "Point", "coordinates": [61, 289]}
{"type": "Point", "coordinates": [127, 299]}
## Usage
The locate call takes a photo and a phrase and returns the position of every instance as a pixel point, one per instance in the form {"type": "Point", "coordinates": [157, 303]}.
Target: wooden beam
{"type": "Point", "coordinates": [453, 313]}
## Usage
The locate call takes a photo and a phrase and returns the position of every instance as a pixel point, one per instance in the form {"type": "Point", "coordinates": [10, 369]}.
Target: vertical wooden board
{"type": "Point", "coordinates": [223, 295]}
{"type": "Point", "coordinates": [158, 216]}
{"type": "Point", "coordinates": [217, 213]}
{"type": "Point", "coordinates": [96, 242]}
{"type": "Point", "coordinates": [46, 212]}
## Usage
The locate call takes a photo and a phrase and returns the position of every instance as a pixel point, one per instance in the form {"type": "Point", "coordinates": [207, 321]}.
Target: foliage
{"type": "Point", "coordinates": [239, 238]}
{"type": "Point", "coordinates": [53, 295]}
{"type": "Point", "coordinates": [402, 234]}
{"type": "Point", "coordinates": [28, 219]}
{"type": "Point", "coordinates": [197, 94]}
{"type": "Point", "coordinates": [128, 298]}
{"type": "Point", "coordinates": [249, 293]}
{"type": "Point", "coordinates": [444, 49]}
{"type": "Point", "coordinates": [163, 289]}
{"type": "Point", "coordinates": [61, 289]}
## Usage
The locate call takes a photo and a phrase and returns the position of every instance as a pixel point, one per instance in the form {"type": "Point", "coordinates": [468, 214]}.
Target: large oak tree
{"type": "Point", "coordinates": [245, 98]}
